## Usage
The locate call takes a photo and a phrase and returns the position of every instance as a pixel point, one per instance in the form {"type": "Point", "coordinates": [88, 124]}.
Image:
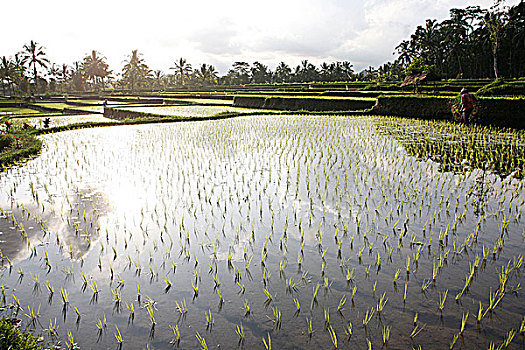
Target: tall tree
{"type": "Point", "coordinates": [35, 57]}
{"type": "Point", "coordinates": [495, 22]}
{"type": "Point", "coordinates": [283, 73]}
{"type": "Point", "coordinates": [158, 77]}
{"type": "Point", "coordinates": [182, 68]}
{"type": "Point", "coordinates": [260, 73]}
{"type": "Point", "coordinates": [206, 74]}
{"type": "Point", "coordinates": [96, 68]}
{"type": "Point", "coordinates": [135, 71]}
{"type": "Point", "coordinates": [7, 71]}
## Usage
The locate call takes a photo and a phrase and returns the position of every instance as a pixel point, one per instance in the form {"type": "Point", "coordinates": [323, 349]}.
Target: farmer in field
{"type": "Point", "coordinates": [467, 104]}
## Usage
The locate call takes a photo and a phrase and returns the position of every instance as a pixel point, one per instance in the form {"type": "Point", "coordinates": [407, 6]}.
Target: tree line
{"type": "Point", "coordinates": [472, 43]}
{"type": "Point", "coordinates": [30, 71]}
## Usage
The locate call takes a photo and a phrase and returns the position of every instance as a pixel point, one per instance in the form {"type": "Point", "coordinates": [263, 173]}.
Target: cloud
{"type": "Point", "coordinates": [364, 32]}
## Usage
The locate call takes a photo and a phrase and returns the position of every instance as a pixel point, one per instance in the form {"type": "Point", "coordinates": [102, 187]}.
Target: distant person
{"type": "Point", "coordinates": [7, 126]}
{"type": "Point", "coordinates": [105, 103]}
{"type": "Point", "coordinates": [467, 105]}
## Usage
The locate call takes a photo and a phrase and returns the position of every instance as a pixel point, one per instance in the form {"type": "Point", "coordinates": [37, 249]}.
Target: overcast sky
{"type": "Point", "coordinates": [220, 32]}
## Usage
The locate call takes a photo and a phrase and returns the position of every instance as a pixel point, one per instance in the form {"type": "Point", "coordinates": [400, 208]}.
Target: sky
{"type": "Point", "coordinates": [220, 32]}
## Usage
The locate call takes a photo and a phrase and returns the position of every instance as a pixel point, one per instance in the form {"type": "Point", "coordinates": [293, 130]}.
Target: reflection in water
{"type": "Point", "coordinates": [26, 225]}
{"type": "Point", "coordinates": [460, 148]}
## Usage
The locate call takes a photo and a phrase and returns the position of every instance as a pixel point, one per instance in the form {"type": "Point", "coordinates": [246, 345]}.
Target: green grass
{"type": "Point", "coordinates": [12, 338]}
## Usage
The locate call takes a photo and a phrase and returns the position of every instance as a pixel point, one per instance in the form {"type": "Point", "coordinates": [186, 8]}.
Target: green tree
{"type": "Point", "coordinates": [183, 69]}
{"type": "Point", "coordinates": [260, 73]}
{"type": "Point", "coordinates": [7, 72]}
{"type": "Point", "coordinates": [135, 72]}
{"type": "Point", "coordinates": [206, 74]}
{"type": "Point", "coordinates": [96, 69]}
{"type": "Point", "coordinates": [283, 73]}
{"type": "Point", "coordinates": [495, 21]}
{"type": "Point", "coordinates": [35, 57]}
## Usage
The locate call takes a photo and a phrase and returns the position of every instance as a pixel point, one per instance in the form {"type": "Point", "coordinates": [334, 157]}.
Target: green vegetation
{"type": "Point", "coordinates": [11, 337]}
{"type": "Point", "coordinates": [17, 145]}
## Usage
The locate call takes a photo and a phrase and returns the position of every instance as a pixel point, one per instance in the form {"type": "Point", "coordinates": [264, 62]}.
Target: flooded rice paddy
{"type": "Point", "coordinates": [299, 231]}
{"type": "Point", "coordinates": [191, 111]}
{"type": "Point", "coordinates": [38, 122]}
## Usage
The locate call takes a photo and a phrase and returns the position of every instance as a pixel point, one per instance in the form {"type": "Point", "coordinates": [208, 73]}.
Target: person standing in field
{"type": "Point", "coordinates": [467, 104]}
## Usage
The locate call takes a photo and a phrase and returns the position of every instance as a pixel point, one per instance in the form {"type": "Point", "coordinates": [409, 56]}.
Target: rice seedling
{"type": "Point", "coordinates": [297, 306]}
{"type": "Point", "coordinates": [151, 315]}
{"type": "Point", "coordinates": [342, 303]}
{"type": "Point", "coordinates": [240, 332]}
{"type": "Point", "coordinates": [333, 336]}
{"type": "Point", "coordinates": [267, 344]}
{"type": "Point", "coordinates": [33, 315]}
{"type": "Point", "coordinates": [182, 307]}
{"type": "Point", "coordinates": [415, 331]}
{"type": "Point", "coordinates": [464, 319]}
{"type": "Point", "coordinates": [70, 343]}
{"type": "Point", "coordinates": [386, 335]}
{"type": "Point", "coordinates": [368, 317]}
{"type": "Point", "coordinates": [202, 341]}
{"type": "Point", "coordinates": [176, 334]}
{"type": "Point", "coordinates": [209, 319]}
{"type": "Point", "coordinates": [442, 299]}
{"type": "Point", "coordinates": [65, 298]}
{"type": "Point", "coordinates": [247, 307]}
{"type": "Point", "coordinates": [326, 318]}
{"type": "Point", "coordinates": [276, 318]}
{"type": "Point", "coordinates": [118, 337]}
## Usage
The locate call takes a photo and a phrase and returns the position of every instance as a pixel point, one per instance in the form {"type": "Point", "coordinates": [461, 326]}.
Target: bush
{"type": "Point", "coordinates": [12, 338]}
{"type": "Point", "coordinates": [6, 141]}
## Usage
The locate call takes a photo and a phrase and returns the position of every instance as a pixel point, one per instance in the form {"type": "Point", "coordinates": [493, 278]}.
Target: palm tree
{"type": "Point", "coordinates": [34, 56]}
{"type": "Point", "coordinates": [158, 76]}
{"type": "Point", "coordinates": [347, 70]}
{"type": "Point", "coordinates": [182, 68]}
{"type": "Point", "coordinates": [206, 74]}
{"type": "Point", "coordinates": [135, 71]}
{"type": "Point", "coordinates": [405, 52]}
{"type": "Point", "coordinates": [96, 68]}
{"type": "Point", "coordinates": [283, 73]}
{"type": "Point", "coordinates": [6, 72]}
{"type": "Point", "coordinates": [53, 73]}
{"type": "Point", "coordinates": [64, 75]}
{"type": "Point", "coordinates": [260, 73]}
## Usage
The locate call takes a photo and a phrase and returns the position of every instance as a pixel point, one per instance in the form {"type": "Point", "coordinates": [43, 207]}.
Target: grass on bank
{"type": "Point", "coordinates": [12, 338]}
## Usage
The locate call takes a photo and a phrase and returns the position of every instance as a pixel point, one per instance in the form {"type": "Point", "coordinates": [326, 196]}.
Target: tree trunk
{"type": "Point", "coordinates": [36, 79]}
{"type": "Point", "coordinates": [495, 56]}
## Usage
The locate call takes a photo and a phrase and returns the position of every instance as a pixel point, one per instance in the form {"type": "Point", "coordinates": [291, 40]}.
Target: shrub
{"type": "Point", "coordinates": [6, 141]}
{"type": "Point", "coordinates": [12, 338]}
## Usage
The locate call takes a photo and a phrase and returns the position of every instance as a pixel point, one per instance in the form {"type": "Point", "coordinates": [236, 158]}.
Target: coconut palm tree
{"type": "Point", "coordinates": [53, 72]}
{"type": "Point", "coordinates": [158, 77]}
{"type": "Point", "coordinates": [35, 57]}
{"type": "Point", "coordinates": [7, 70]}
{"type": "Point", "coordinates": [135, 71]}
{"type": "Point", "coordinates": [206, 74]}
{"type": "Point", "coordinates": [283, 73]}
{"type": "Point", "coordinates": [64, 75]}
{"type": "Point", "coordinates": [182, 69]}
{"type": "Point", "coordinates": [96, 68]}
